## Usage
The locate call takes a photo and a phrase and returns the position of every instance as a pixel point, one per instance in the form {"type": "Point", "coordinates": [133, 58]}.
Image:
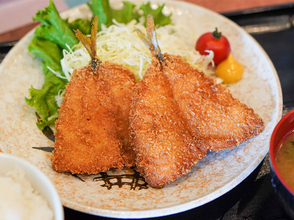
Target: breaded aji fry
{"type": "Point", "coordinates": [121, 85]}
{"type": "Point", "coordinates": [86, 138]}
{"type": "Point", "coordinates": [165, 150]}
{"type": "Point", "coordinates": [176, 105]}
{"type": "Point", "coordinates": [211, 113]}
{"type": "Point", "coordinates": [93, 118]}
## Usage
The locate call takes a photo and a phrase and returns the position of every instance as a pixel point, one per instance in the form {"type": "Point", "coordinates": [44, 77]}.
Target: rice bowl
{"type": "Point", "coordinates": [27, 189]}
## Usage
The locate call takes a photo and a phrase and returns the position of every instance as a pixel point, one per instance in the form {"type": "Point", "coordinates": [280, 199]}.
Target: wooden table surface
{"type": "Point", "coordinates": [215, 5]}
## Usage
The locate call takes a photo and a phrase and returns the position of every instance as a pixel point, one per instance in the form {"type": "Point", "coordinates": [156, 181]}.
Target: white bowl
{"type": "Point", "coordinates": [38, 180]}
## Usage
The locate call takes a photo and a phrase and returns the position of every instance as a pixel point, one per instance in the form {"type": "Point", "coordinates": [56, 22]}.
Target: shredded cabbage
{"type": "Point", "coordinates": [119, 43]}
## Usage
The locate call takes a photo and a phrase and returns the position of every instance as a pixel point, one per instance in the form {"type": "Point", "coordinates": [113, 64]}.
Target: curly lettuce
{"type": "Point", "coordinates": [54, 28]}
{"type": "Point", "coordinates": [127, 13]}
{"type": "Point", "coordinates": [44, 99]}
{"type": "Point", "coordinates": [159, 18]}
{"type": "Point", "coordinates": [106, 14]}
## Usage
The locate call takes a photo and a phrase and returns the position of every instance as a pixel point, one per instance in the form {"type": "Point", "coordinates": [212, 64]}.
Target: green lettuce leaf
{"type": "Point", "coordinates": [106, 14]}
{"type": "Point", "coordinates": [47, 51]}
{"type": "Point", "coordinates": [54, 28]}
{"type": "Point", "coordinates": [127, 13]}
{"type": "Point", "coordinates": [47, 107]}
{"type": "Point", "coordinates": [43, 99]}
{"type": "Point", "coordinates": [81, 24]}
{"type": "Point", "coordinates": [159, 18]}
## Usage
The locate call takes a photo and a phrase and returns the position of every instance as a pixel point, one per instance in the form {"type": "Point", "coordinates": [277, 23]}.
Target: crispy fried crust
{"type": "Point", "coordinates": [165, 150]}
{"type": "Point", "coordinates": [121, 86]}
{"type": "Point", "coordinates": [211, 113]}
{"type": "Point", "coordinates": [90, 135]}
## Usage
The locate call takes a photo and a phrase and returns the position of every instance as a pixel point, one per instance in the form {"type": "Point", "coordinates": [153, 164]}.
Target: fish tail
{"type": "Point", "coordinates": [150, 40]}
{"type": "Point", "coordinates": [90, 43]}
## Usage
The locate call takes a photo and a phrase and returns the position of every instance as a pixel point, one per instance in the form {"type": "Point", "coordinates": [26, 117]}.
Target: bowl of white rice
{"type": "Point", "coordinates": [26, 192]}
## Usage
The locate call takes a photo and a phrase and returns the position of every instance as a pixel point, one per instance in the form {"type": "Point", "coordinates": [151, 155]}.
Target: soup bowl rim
{"type": "Point", "coordinates": [273, 149]}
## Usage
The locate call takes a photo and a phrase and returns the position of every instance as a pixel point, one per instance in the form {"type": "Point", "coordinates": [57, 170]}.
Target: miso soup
{"type": "Point", "coordinates": [285, 160]}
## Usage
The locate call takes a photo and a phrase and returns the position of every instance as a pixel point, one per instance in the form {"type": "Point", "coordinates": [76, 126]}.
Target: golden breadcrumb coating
{"type": "Point", "coordinates": [121, 83]}
{"type": "Point", "coordinates": [91, 132]}
{"type": "Point", "coordinates": [211, 113]}
{"type": "Point", "coordinates": [165, 150]}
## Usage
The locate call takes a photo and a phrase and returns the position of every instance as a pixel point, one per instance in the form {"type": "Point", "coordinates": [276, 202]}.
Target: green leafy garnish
{"type": "Point", "coordinates": [47, 51]}
{"type": "Point", "coordinates": [81, 24]}
{"type": "Point", "coordinates": [43, 99]}
{"type": "Point", "coordinates": [159, 18]}
{"type": "Point", "coordinates": [54, 28]}
{"type": "Point", "coordinates": [106, 14]}
{"type": "Point", "coordinates": [127, 13]}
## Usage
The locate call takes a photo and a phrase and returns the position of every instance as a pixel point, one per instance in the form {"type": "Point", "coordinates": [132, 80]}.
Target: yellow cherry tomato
{"type": "Point", "coordinates": [230, 71]}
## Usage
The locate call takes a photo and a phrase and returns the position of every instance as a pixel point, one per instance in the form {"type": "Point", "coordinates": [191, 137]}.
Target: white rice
{"type": "Point", "coordinates": [18, 199]}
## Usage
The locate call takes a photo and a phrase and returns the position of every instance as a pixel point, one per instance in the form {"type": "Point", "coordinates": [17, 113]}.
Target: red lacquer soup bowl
{"type": "Point", "coordinates": [285, 193]}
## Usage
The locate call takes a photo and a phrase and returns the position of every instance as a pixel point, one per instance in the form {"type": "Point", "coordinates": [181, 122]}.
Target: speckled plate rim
{"type": "Point", "coordinates": [277, 113]}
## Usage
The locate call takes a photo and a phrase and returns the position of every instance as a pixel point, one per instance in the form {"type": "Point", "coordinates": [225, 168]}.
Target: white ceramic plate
{"type": "Point", "coordinates": [212, 177]}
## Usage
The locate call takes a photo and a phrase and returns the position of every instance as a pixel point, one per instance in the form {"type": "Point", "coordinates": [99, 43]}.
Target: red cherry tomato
{"type": "Point", "coordinates": [216, 42]}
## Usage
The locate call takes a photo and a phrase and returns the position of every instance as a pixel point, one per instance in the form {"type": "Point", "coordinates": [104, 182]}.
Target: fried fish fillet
{"type": "Point", "coordinates": [211, 113]}
{"type": "Point", "coordinates": [165, 149]}
{"type": "Point", "coordinates": [91, 131]}
{"type": "Point", "coordinates": [86, 138]}
{"type": "Point", "coordinates": [121, 82]}
{"type": "Point", "coordinates": [178, 114]}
